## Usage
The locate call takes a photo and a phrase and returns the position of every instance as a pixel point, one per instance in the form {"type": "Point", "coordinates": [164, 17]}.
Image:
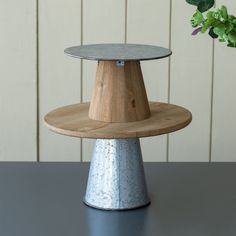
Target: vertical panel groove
{"type": "Point", "coordinates": [37, 84]}
{"type": "Point", "coordinates": [81, 41]}
{"type": "Point", "coordinates": [212, 97]}
{"type": "Point", "coordinates": [169, 75]}
{"type": "Point", "coordinates": [126, 20]}
{"type": "Point", "coordinates": [81, 70]}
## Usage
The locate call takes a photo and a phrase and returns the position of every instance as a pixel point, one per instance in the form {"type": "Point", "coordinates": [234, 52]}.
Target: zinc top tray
{"type": "Point", "coordinates": [116, 52]}
{"type": "Point", "coordinates": [73, 120]}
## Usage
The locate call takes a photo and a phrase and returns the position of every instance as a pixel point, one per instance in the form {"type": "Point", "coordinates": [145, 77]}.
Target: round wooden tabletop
{"type": "Point", "coordinates": [118, 52]}
{"type": "Point", "coordinates": [73, 120]}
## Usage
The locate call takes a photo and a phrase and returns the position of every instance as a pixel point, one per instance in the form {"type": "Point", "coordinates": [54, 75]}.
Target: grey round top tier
{"type": "Point", "coordinates": [118, 52]}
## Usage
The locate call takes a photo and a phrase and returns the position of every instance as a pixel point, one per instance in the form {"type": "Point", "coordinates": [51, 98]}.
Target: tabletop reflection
{"type": "Point", "coordinates": [116, 223]}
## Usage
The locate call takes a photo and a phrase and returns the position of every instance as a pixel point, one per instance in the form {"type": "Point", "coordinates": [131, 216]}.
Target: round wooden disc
{"type": "Point", "coordinates": [73, 120]}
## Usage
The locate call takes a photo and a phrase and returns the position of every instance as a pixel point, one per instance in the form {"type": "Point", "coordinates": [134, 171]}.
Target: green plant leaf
{"type": "Point", "coordinates": [197, 19]}
{"type": "Point", "coordinates": [219, 30]}
{"type": "Point", "coordinates": [232, 19]}
{"type": "Point", "coordinates": [223, 12]}
{"type": "Point", "coordinates": [232, 37]}
{"type": "Point", "coordinates": [229, 27]}
{"type": "Point", "coordinates": [208, 22]}
{"type": "Point", "coordinates": [193, 2]}
{"type": "Point", "coordinates": [212, 34]}
{"type": "Point", "coordinates": [205, 5]}
{"type": "Point", "coordinates": [232, 45]}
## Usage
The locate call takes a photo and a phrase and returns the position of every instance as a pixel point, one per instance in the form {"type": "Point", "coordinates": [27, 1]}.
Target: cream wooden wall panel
{"type": "Point", "coordinates": [60, 81]}
{"type": "Point", "coordinates": [224, 109]}
{"type": "Point", "coordinates": [103, 22]}
{"type": "Point", "coordinates": [191, 76]}
{"type": "Point", "coordinates": [148, 23]}
{"type": "Point", "coordinates": [18, 80]}
{"type": "Point", "coordinates": [59, 75]}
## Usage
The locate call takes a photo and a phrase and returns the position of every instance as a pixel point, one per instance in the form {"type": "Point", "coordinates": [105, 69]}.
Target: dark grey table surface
{"type": "Point", "coordinates": [188, 199]}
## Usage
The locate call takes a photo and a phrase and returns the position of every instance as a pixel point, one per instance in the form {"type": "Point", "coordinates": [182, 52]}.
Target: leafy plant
{"type": "Point", "coordinates": [217, 22]}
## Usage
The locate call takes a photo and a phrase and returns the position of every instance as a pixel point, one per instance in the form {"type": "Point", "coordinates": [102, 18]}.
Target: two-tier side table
{"type": "Point", "coordinates": [117, 116]}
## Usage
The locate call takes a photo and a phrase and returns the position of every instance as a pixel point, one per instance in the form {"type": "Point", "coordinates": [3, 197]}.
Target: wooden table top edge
{"type": "Point", "coordinates": [95, 133]}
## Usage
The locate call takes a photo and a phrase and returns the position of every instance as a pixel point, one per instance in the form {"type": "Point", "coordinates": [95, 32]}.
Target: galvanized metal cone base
{"type": "Point", "coordinates": [116, 177]}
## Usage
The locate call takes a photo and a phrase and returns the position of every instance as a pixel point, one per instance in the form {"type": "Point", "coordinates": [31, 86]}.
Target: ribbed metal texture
{"type": "Point", "coordinates": [116, 178]}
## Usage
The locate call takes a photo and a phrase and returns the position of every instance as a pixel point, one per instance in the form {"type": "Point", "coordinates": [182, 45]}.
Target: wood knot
{"type": "Point", "coordinates": [133, 103]}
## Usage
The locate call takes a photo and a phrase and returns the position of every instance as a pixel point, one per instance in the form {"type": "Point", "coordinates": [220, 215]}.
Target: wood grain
{"type": "Point", "coordinates": [73, 120]}
{"type": "Point", "coordinates": [119, 93]}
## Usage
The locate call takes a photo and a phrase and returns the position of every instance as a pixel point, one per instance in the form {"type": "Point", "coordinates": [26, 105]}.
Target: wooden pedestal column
{"type": "Point", "coordinates": [119, 93]}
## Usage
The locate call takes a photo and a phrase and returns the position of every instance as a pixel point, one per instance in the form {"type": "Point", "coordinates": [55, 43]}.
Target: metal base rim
{"type": "Point", "coordinates": [116, 209]}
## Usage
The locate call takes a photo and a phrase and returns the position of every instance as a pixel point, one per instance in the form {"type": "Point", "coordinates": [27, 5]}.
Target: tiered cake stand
{"type": "Point", "coordinates": [117, 116]}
